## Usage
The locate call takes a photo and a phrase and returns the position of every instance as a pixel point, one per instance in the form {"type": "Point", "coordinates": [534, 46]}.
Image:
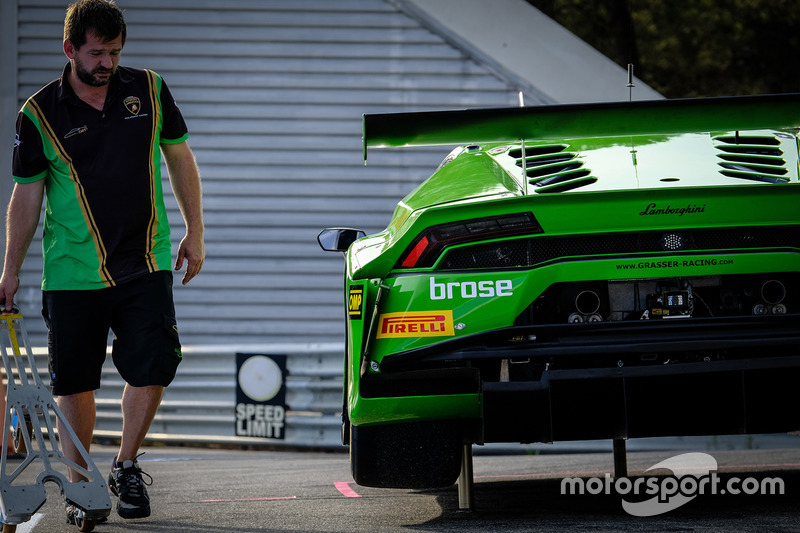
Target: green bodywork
{"type": "Point", "coordinates": [657, 166]}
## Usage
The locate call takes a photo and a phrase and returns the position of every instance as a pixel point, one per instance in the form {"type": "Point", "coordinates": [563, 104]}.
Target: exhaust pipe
{"type": "Point", "coordinates": [773, 292]}
{"type": "Point", "coordinates": [587, 303]}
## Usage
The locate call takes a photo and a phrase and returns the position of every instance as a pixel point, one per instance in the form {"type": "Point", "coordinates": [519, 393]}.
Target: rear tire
{"type": "Point", "coordinates": [413, 455]}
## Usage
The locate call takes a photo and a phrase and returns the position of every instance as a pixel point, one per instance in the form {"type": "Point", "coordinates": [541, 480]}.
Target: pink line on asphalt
{"type": "Point", "coordinates": [251, 499]}
{"type": "Point", "coordinates": [344, 488]}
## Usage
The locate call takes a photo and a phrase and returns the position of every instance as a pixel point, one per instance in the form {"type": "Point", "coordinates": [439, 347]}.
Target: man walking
{"type": "Point", "coordinates": [91, 142]}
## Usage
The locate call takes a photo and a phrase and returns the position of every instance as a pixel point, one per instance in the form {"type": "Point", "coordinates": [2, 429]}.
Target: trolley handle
{"type": "Point", "coordinates": [9, 317]}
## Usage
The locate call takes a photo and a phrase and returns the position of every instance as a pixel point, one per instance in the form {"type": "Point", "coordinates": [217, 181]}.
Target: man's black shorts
{"type": "Point", "coordinates": [140, 313]}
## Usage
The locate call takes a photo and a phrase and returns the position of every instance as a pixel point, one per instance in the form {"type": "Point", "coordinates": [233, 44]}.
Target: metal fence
{"type": "Point", "coordinates": [199, 406]}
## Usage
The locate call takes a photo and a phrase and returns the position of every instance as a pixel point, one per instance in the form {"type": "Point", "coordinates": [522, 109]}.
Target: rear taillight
{"type": "Point", "coordinates": [418, 249]}
{"type": "Point", "coordinates": [426, 248]}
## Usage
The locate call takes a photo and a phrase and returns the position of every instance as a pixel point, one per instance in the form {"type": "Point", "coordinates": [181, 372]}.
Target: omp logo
{"type": "Point", "coordinates": [355, 301]}
{"type": "Point", "coordinates": [422, 324]}
{"type": "Point", "coordinates": [470, 289]}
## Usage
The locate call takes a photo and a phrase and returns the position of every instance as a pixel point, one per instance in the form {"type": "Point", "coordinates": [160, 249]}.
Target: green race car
{"type": "Point", "coordinates": [598, 271]}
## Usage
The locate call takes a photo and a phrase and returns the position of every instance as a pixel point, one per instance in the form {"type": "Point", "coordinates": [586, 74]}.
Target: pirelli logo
{"type": "Point", "coordinates": [421, 324]}
{"type": "Point", "coordinates": [355, 302]}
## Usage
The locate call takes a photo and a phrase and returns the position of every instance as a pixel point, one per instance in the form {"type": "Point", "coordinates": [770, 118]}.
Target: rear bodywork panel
{"type": "Point", "coordinates": [579, 272]}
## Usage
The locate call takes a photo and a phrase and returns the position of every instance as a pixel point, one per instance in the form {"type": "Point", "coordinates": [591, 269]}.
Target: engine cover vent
{"type": "Point", "coordinates": [551, 169]}
{"type": "Point", "coordinates": [756, 158]}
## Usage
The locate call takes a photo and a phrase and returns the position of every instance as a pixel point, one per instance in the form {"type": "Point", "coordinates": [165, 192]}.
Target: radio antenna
{"type": "Point", "coordinates": [631, 55]}
{"type": "Point", "coordinates": [630, 82]}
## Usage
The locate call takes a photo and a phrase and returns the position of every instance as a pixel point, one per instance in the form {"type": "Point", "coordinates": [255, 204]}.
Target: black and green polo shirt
{"type": "Point", "coordinates": [105, 221]}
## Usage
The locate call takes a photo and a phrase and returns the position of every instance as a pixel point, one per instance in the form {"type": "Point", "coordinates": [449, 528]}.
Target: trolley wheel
{"type": "Point", "coordinates": [19, 440]}
{"type": "Point", "coordinates": [85, 524]}
{"type": "Point", "coordinates": [9, 528]}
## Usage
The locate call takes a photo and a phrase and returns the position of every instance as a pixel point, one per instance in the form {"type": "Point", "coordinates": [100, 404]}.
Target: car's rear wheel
{"type": "Point", "coordinates": [414, 455]}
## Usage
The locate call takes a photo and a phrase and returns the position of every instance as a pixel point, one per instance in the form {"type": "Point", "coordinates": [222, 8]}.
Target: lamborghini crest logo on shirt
{"type": "Point", "coordinates": [133, 104]}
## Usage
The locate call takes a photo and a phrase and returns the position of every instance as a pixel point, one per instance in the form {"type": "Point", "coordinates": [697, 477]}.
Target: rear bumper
{"type": "Point", "coordinates": [609, 380]}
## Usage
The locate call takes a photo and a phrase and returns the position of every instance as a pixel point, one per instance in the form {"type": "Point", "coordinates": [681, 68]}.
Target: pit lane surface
{"type": "Point", "coordinates": [214, 491]}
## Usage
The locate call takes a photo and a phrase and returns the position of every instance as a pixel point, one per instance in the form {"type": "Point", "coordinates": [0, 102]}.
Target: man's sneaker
{"type": "Point", "coordinates": [126, 482]}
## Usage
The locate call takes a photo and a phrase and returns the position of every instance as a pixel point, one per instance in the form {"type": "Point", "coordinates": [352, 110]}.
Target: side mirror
{"type": "Point", "coordinates": [338, 239]}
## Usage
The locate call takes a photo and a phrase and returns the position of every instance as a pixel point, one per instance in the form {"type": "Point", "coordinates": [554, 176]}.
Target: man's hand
{"type": "Point", "coordinates": [185, 180]}
{"type": "Point", "coordinates": [8, 288]}
{"type": "Point", "coordinates": [191, 249]}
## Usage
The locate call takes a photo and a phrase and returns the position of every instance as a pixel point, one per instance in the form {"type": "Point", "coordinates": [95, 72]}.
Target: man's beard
{"type": "Point", "coordinates": [89, 77]}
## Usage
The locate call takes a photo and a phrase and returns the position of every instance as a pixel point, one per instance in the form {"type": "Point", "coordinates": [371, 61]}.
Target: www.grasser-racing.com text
{"type": "Point", "coordinates": [675, 264]}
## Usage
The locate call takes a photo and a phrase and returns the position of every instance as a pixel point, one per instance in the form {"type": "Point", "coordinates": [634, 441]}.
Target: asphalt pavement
{"type": "Point", "coordinates": [204, 490]}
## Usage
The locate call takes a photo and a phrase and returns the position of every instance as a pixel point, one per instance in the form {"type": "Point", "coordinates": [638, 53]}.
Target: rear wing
{"type": "Point", "coordinates": [780, 111]}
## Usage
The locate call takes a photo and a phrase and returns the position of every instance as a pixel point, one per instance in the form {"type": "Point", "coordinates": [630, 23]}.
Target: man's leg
{"type": "Point", "coordinates": [146, 353]}
{"type": "Point", "coordinates": [139, 406]}
{"type": "Point", "coordinates": [79, 410]}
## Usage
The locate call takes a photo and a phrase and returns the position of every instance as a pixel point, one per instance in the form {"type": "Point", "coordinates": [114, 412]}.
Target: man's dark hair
{"type": "Point", "coordinates": [101, 17]}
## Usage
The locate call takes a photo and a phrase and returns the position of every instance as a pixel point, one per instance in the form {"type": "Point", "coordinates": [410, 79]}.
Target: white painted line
{"type": "Point", "coordinates": [28, 527]}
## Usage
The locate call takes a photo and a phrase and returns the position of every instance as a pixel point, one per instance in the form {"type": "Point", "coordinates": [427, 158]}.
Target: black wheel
{"type": "Point", "coordinates": [9, 528]}
{"type": "Point", "coordinates": [415, 455]}
{"type": "Point", "coordinates": [85, 524]}
{"type": "Point", "coordinates": [21, 423]}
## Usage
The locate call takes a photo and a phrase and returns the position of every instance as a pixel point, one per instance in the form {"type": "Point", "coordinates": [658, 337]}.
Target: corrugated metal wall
{"type": "Point", "coordinates": [273, 92]}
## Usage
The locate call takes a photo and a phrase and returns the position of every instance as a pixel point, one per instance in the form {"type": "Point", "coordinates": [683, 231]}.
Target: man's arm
{"type": "Point", "coordinates": [21, 222]}
{"type": "Point", "coordinates": [185, 179]}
